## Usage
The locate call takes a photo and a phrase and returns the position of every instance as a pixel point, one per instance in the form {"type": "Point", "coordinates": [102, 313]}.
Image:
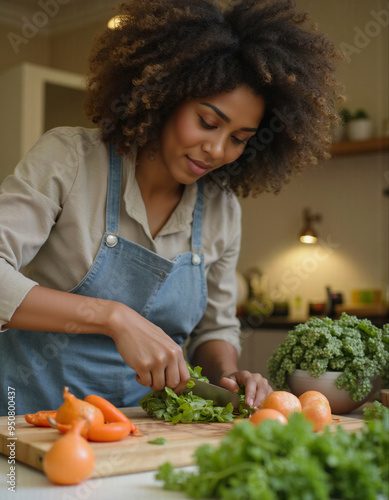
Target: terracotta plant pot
{"type": "Point", "coordinates": [340, 401]}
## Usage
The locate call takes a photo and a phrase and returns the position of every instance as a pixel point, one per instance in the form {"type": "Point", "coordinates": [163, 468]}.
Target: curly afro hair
{"type": "Point", "coordinates": [167, 51]}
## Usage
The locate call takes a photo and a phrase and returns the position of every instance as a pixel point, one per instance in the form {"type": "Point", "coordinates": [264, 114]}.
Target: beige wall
{"type": "Point", "coordinates": [360, 29]}
{"type": "Point", "coordinates": [352, 252]}
{"type": "Point", "coordinates": [36, 50]}
{"type": "Point", "coordinates": [70, 52]}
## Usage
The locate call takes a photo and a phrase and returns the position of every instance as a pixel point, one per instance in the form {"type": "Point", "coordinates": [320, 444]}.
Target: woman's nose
{"type": "Point", "coordinates": [215, 148]}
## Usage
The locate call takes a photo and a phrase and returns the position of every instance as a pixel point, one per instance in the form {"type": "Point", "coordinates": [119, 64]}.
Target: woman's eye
{"type": "Point", "coordinates": [205, 124]}
{"type": "Point", "coordinates": [240, 141]}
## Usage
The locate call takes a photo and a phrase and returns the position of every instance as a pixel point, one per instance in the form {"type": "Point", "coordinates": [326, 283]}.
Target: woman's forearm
{"type": "Point", "coordinates": [48, 310]}
{"type": "Point", "coordinates": [154, 356]}
{"type": "Point", "coordinates": [217, 358]}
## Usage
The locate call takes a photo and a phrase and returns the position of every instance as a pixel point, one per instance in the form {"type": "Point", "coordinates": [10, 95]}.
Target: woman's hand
{"type": "Point", "coordinates": [219, 360]}
{"type": "Point", "coordinates": [256, 386]}
{"type": "Point", "coordinates": [155, 357]}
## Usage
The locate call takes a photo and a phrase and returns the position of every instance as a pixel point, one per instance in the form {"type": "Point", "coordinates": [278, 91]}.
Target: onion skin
{"type": "Point", "coordinates": [71, 459]}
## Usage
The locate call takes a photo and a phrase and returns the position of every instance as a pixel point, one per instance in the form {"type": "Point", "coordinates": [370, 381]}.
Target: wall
{"type": "Point", "coordinates": [71, 52]}
{"type": "Point", "coordinates": [36, 50]}
{"type": "Point", "coordinates": [352, 250]}
{"type": "Point", "coordinates": [359, 28]}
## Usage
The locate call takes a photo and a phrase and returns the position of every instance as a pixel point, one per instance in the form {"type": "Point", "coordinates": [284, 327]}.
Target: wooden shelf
{"type": "Point", "coordinates": [375, 145]}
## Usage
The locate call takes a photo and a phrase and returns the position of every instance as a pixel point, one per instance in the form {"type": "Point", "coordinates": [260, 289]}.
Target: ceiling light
{"type": "Point", "coordinates": [116, 21]}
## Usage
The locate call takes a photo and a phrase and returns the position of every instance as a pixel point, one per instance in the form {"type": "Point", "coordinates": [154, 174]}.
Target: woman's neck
{"type": "Point", "coordinates": [160, 193]}
{"type": "Point", "coordinates": [152, 178]}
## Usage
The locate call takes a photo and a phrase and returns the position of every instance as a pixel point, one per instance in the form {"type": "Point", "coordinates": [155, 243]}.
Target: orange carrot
{"type": "Point", "coordinates": [110, 412]}
{"type": "Point", "coordinates": [40, 417]}
{"type": "Point", "coordinates": [112, 431]}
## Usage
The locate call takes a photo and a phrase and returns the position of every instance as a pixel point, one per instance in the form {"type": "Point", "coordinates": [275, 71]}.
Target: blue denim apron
{"type": "Point", "coordinates": [170, 293]}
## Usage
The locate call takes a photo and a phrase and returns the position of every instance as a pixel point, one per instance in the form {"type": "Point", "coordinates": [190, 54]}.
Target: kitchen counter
{"type": "Point", "coordinates": [32, 484]}
{"type": "Point", "coordinates": [289, 322]}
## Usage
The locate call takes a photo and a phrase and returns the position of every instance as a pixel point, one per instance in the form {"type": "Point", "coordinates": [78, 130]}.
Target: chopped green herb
{"type": "Point", "coordinates": [159, 440]}
{"type": "Point", "coordinates": [187, 408]}
{"type": "Point", "coordinates": [288, 462]}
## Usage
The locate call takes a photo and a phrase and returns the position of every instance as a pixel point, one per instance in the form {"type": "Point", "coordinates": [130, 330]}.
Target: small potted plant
{"type": "Point", "coordinates": [359, 125]}
{"type": "Point", "coordinates": [342, 358]}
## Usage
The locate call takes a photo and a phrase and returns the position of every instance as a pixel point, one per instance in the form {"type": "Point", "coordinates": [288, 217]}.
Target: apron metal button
{"type": "Point", "coordinates": [111, 240]}
{"type": "Point", "coordinates": [196, 259]}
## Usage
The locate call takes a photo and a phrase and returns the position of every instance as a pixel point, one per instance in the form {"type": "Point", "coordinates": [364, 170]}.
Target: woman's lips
{"type": "Point", "coordinates": [197, 167]}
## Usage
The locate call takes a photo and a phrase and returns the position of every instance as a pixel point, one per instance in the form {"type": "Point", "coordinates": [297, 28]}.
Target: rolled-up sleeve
{"type": "Point", "coordinates": [219, 321]}
{"type": "Point", "coordinates": [30, 202]}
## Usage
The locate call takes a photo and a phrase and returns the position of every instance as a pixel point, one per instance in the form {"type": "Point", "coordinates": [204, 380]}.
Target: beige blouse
{"type": "Point", "coordinates": [52, 220]}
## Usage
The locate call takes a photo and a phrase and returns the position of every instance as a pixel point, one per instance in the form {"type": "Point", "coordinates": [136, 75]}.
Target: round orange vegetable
{"type": "Point", "coordinates": [74, 408]}
{"type": "Point", "coordinates": [319, 413]}
{"type": "Point", "coordinates": [283, 401]}
{"type": "Point", "coordinates": [310, 396]}
{"type": "Point", "coordinates": [267, 414]}
{"type": "Point", "coordinates": [71, 459]}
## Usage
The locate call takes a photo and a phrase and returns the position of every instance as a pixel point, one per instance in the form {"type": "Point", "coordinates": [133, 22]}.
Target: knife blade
{"type": "Point", "coordinates": [219, 395]}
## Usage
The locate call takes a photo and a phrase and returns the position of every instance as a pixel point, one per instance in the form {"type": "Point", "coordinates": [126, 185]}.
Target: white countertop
{"type": "Point", "coordinates": [32, 484]}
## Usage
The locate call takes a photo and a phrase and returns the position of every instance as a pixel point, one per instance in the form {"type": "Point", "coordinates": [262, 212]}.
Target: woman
{"type": "Point", "coordinates": [131, 231]}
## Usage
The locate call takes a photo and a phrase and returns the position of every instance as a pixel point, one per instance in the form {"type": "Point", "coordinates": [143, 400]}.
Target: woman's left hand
{"type": "Point", "coordinates": [256, 386]}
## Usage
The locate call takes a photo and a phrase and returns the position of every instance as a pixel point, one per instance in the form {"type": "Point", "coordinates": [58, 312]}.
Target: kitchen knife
{"type": "Point", "coordinates": [219, 395]}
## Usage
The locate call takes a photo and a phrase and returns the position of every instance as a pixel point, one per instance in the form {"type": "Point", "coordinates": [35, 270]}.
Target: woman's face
{"type": "Point", "coordinates": [204, 134]}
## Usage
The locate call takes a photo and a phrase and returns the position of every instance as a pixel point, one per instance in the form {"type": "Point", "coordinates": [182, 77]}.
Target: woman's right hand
{"type": "Point", "coordinates": [151, 353]}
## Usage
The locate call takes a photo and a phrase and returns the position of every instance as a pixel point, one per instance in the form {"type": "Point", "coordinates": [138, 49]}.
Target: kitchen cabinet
{"type": "Point", "coordinates": [258, 344]}
{"type": "Point", "coordinates": [34, 99]}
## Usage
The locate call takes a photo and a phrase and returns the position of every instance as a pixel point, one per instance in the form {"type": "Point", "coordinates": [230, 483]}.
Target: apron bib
{"type": "Point", "coordinates": [170, 293]}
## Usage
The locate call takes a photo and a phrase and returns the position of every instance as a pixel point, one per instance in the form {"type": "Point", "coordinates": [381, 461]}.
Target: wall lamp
{"type": "Point", "coordinates": [308, 233]}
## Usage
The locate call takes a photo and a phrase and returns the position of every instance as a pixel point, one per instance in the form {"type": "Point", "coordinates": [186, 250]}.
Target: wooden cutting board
{"type": "Point", "coordinates": [132, 454]}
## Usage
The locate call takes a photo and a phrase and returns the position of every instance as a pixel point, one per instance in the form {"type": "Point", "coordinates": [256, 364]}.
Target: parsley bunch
{"type": "Point", "coordinates": [272, 461]}
{"type": "Point", "coordinates": [377, 410]}
{"type": "Point", "coordinates": [353, 346]}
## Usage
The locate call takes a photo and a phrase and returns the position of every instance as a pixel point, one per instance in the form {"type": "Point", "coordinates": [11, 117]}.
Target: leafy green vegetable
{"type": "Point", "coordinates": [385, 371]}
{"type": "Point", "coordinates": [158, 440]}
{"type": "Point", "coordinates": [378, 410]}
{"type": "Point", "coordinates": [353, 346]}
{"type": "Point", "coordinates": [196, 373]}
{"type": "Point", "coordinates": [288, 462]}
{"type": "Point", "coordinates": [187, 408]}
